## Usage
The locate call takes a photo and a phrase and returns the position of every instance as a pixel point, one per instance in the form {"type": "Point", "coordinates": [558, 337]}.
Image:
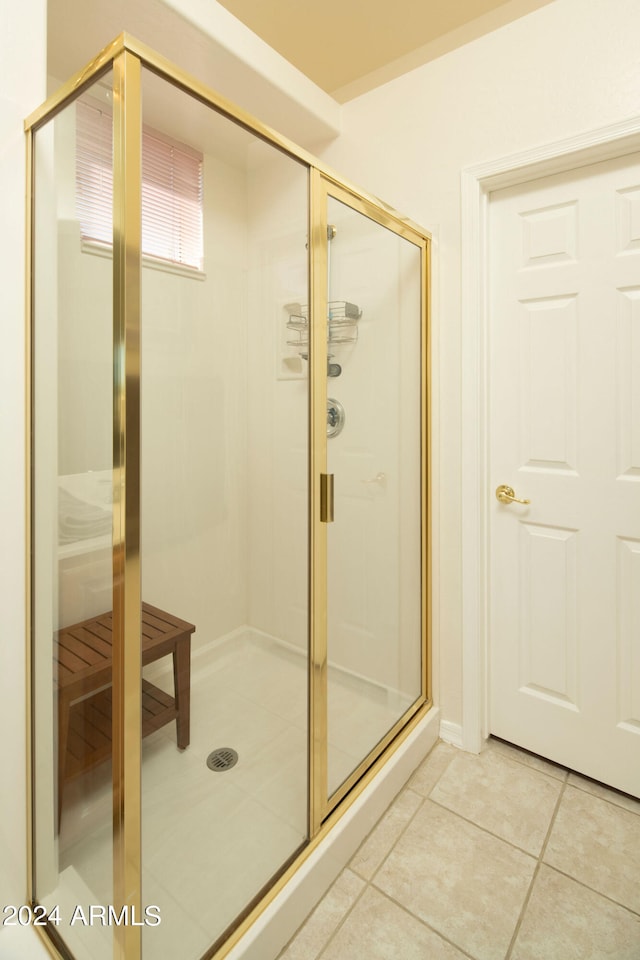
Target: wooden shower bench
{"type": "Point", "coordinates": [83, 666]}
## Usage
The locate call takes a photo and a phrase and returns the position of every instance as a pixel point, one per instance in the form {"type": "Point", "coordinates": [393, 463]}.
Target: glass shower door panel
{"type": "Point", "coordinates": [72, 530]}
{"type": "Point", "coordinates": [374, 634]}
{"type": "Point", "coordinates": [224, 403]}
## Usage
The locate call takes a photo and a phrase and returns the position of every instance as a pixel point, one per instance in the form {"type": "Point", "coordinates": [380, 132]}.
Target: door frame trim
{"type": "Point", "coordinates": [477, 183]}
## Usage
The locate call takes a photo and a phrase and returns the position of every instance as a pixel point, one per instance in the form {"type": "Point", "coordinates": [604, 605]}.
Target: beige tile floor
{"type": "Point", "coordinates": [501, 856]}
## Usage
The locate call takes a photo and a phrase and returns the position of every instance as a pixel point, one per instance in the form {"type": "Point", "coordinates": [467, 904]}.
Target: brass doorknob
{"type": "Point", "coordinates": [505, 494]}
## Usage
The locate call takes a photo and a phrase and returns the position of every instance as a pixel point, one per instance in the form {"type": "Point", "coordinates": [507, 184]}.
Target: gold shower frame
{"type": "Point", "coordinates": [126, 56]}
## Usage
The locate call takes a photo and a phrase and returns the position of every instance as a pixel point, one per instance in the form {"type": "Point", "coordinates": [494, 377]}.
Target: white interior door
{"type": "Point", "coordinates": [564, 433]}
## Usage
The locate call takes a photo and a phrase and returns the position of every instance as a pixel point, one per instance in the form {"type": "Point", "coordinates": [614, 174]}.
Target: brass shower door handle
{"type": "Point", "coordinates": [505, 494]}
{"type": "Point", "coordinates": [326, 498]}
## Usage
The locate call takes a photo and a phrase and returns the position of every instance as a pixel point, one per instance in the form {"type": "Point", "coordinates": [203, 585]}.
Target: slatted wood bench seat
{"type": "Point", "coordinates": [82, 672]}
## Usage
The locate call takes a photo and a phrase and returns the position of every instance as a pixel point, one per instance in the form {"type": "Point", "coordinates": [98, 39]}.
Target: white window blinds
{"type": "Point", "coordinates": [171, 189]}
{"type": "Point", "coordinates": [94, 173]}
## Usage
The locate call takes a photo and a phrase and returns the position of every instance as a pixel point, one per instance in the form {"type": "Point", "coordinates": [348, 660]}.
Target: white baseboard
{"type": "Point", "coordinates": [207, 655]}
{"type": "Point", "coordinates": [451, 733]}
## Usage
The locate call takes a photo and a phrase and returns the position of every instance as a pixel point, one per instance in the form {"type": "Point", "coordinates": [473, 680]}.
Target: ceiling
{"type": "Point", "coordinates": [346, 47]}
{"type": "Point", "coordinates": [201, 44]}
{"type": "Point", "coordinates": [350, 46]}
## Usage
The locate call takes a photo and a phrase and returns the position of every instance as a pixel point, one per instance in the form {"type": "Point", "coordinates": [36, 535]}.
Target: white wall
{"type": "Point", "coordinates": [374, 544]}
{"type": "Point", "coordinates": [193, 457]}
{"type": "Point", "coordinates": [373, 578]}
{"type": "Point", "coordinates": [194, 443]}
{"type": "Point", "coordinates": [22, 54]}
{"type": "Point", "coordinates": [278, 400]}
{"type": "Point", "coordinates": [567, 68]}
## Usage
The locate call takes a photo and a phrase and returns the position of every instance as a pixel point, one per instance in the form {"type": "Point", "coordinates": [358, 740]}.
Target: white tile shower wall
{"type": "Point", "coordinates": [363, 584]}
{"type": "Point", "coordinates": [194, 441]}
{"type": "Point", "coordinates": [278, 408]}
{"type": "Point", "coordinates": [373, 569]}
{"type": "Point", "coordinates": [359, 597]}
{"type": "Point", "coordinates": [193, 408]}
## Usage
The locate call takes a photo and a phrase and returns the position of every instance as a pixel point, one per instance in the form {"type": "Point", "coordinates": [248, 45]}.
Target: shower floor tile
{"type": "Point", "coordinates": [220, 856]}
{"type": "Point", "coordinates": [212, 840]}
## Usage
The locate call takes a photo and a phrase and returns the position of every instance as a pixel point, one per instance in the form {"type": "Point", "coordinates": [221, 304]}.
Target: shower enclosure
{"type": "Point", "coordinates": [229, 507]}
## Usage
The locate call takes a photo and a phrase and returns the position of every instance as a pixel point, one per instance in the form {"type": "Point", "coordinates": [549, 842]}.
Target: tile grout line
{"type": "Point", "coordinates": [595, 796]}
{"type": "Point", "coordinates": [536, 871]}
{"type": "Point", "coordinates": [402, 906]}
{"type": "Point", "coordinates": [518, 757]}
{"type": "Point", "coordinates": [342, 920]}
{"type": "Point", "coordinates": [369, 882]}
{"type": "Point", "coordinates": [425, 799]}
{"type": "Point", "coordinates": [567, 773]}
{"type": "Point", "coordinates": [598, 893]}
{"type": "Point", "coordinates": [442, 936]}
{"type": "Point", "coordinates": [582, 883]}
{"type": "Point", "coordinates": [490, 833]}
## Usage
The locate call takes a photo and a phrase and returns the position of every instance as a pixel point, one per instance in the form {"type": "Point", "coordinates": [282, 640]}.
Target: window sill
{"type": "Point", "coordinates": [181, 270]}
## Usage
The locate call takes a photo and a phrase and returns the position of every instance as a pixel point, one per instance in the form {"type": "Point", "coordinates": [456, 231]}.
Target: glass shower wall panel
{"type": "Point", "coordinates": [374, 632]}
{"type": "Point", "coordinates": [72, 391]}
{"type": "Point", "coordinates": [224, 507]}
